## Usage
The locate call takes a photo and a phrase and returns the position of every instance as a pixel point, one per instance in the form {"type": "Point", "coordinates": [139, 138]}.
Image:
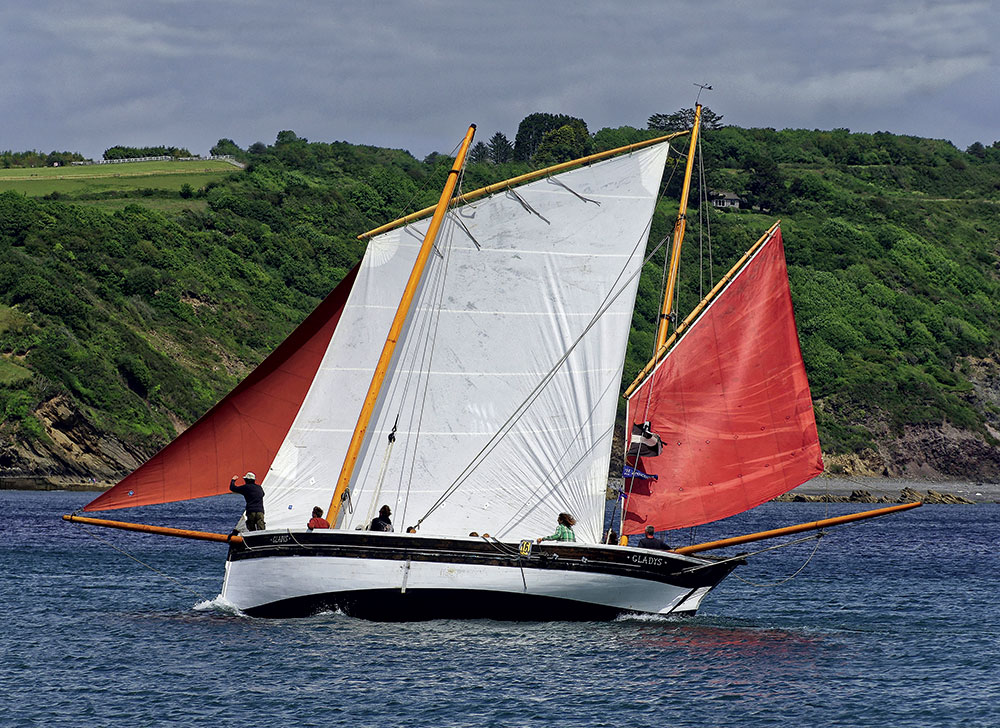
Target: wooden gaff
{"type": "Point", "coordinates": [409, 292]}
{"type": "Point", "coordinates": [679, 329]}
{"type": "Point", "coordinates": [158, 530]}
{"type": "Point", "coordinates": [520, 180]}
{"type": "Point", "coordinates": [788, 530]}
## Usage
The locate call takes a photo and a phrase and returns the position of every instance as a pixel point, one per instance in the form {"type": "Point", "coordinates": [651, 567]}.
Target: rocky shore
{"type": "Point", "coordinates": [830, 489]}
{"type": "Point", "coordinates": [906, 495]}
{"type": "Point", "coordinates": [820, 490]}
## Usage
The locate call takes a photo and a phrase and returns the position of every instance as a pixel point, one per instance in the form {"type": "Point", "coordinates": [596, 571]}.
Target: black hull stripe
{"type": "Point", "coordinates": [662, 566]}
{"type": "Point", "coordinates": [392, 605]}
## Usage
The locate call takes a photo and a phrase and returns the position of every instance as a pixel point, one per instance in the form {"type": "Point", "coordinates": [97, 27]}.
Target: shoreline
{"type": "Point", "coordinates": [825, 488]}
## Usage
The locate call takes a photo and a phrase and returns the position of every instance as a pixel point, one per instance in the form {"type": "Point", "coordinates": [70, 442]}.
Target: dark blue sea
{"type": "Point", "coordinates": [892, 622]}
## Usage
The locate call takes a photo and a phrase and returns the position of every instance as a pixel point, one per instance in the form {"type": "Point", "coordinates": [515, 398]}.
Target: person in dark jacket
{"type": "Point", "coordinates": [254, 496]}
{"type": "Point", "coordinates": [382, 523]}
{"type": "Point", "coordinates": [649, 541]}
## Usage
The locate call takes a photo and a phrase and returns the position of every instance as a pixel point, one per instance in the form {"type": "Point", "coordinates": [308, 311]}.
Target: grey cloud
{"type": "Point", "coordinates": [87, 75]}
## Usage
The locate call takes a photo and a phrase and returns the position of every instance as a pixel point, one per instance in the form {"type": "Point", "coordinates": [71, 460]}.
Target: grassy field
{"type": "Point", "coordinates": [167, 205]}
{"type": "Point", "coordinates": [95, 179]}
{"type": "Point", "coordinates": [11, 373]}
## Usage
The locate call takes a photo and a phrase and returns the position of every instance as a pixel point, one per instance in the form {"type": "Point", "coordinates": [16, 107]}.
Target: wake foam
{"type": "Point", "coordinates": [641, 617]}
{"type": "Point", "coordinates": [219, 604]}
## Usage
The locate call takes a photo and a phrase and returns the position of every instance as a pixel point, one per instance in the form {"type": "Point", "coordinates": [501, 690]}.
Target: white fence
{"type": "Point", "coordinates": [222, 157]}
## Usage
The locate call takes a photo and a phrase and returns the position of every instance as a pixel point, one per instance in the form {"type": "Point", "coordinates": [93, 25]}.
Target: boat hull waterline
{"type": "Point", "coordinates": [393, 577]}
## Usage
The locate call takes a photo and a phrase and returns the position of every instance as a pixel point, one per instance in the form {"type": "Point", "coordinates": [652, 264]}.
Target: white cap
{"type": "Point", "coordinates": [249, 476]}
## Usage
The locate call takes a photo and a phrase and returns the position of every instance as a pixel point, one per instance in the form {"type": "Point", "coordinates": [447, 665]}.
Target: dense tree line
{"type": "Point", "coordinates": [120, 152]}
{"type": "Point", "coordinates": [10, 159]}
{"type": "Point", "coordinates": [143, 319]}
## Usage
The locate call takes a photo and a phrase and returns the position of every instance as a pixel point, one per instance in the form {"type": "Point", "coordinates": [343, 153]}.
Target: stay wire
{"type": "Point", "coordinates": [409, 204]}
{"type": "Point", "coordinates": [819, 537]}
{"type": "Point", "coordinates": [615, 291]}
{"type": "Point", "coordinates": [427, 362]}
{"type": "Point", "coordinates": [143, 563]}
{"type": "Point", "coordinates": [398, 391]}
{"type": "Point", "coordinates": [627, 491]}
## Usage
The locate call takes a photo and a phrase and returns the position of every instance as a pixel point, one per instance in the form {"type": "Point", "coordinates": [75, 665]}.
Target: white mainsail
{"type": "Point", "coordinates": [515, 281]}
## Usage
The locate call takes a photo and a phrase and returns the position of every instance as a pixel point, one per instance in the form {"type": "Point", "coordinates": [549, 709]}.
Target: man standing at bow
{"type": "Point", "coordinates": [254, 495]}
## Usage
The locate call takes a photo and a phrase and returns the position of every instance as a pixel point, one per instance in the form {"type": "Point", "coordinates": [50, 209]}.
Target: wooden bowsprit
{"type": "Point", "coordinates": [811, 526]}
{"type": "Point", "coordinates": [158, 530]}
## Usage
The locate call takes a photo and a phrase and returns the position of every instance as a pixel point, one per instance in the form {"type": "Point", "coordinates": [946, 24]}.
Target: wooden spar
{"type": "Point", "coordinates": [812, 526]}
{"type": "Point", "coordinates": [521, 179]}
{"type": "Point", "coordinates": [698, 309]}
{"type": "Point", "coordinates": [159, 530]}
{"type": "Point", "coordinates": [679, 227]}
{"type": "Point", "coordinates": [409, 292]}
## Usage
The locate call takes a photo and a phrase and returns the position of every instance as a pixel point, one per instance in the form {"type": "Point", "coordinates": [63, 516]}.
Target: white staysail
{"type": "Point", "coordinates": [515, 281]}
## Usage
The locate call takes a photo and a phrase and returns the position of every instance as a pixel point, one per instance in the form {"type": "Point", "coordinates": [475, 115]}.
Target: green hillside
{"type": "Point", "coordinates": [139, 315]}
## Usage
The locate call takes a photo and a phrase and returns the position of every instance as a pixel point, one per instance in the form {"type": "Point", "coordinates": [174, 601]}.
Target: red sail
{"type": "Point", "coordinates": [731, 403]}
{"type": "Point", "coordinates": [244, 430]}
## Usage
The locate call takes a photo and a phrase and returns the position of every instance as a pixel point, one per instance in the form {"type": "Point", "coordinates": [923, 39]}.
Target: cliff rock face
{"type": "Point", "coordinates": [73, 450]}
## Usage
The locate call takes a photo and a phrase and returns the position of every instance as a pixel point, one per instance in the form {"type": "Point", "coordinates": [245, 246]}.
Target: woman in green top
{"type": "Point", "coordinates": [564, 529]}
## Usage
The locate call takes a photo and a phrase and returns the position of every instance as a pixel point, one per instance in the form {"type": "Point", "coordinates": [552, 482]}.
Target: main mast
{"type": "Point", "coordinates": [409, 293]}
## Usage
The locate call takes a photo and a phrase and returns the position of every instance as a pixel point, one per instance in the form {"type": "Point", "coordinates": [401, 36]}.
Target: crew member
{"type": "Point", "coordinates": [382, 522]}
{"type": "Point", "coordinates": [564, 529]}
{"type": "Point", "coordinates": [649, 541]}
{"type": "Point", "coordinates": [254, 495]}
{"type": "Point", "coordinates": [317, 521]}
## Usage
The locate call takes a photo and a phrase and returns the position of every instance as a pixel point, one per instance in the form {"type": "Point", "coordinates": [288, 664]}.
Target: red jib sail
{"type": "Point", "coordinates": [244, 430]}
{"type": "Point", "coordinates": [731, 404]}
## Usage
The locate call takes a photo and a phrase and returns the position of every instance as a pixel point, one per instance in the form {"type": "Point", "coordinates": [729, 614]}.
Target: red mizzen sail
{"type": "Point", "coordinates": [244, 430]}
{"type": "Point", "coordinates": [731, 403]}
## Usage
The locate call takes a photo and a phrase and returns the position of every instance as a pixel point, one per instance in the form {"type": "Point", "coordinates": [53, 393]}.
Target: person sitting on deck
{"type": "Point", "coordinates": [254, 496]}
{"type": "Point", "coordinates": [317, 521]}
{"type": "Point", "coordinates": [564, 529]}
{"type": "Point", "coordinates": [649, 541]}
{"type": "Point", "coordinates": [382, 523]}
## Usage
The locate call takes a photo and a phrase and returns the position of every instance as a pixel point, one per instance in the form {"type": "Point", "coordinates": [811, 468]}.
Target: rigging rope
{"type": "Point", "coordinates": [381, 473]}
{"type": "Point", "coordinates": [426, 362]}
{"type": "Point", "coordinates": [143, 563]}
{"type": "Point", "coordinates": [818, 536]}
{"type": "Point", "coordinates": [519, 412]}
{"type": "Point", "coordinates": [416, 356]}
{"type": "Point", "coordinates": [663, 287]}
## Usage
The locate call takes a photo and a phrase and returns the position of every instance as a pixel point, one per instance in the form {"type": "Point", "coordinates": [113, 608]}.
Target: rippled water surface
{"type": "Point", "coordinates": [893, 622]}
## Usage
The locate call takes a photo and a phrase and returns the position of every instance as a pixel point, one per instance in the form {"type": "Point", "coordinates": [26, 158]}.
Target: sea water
{"type": "Point", "coordinates": [890, 622]}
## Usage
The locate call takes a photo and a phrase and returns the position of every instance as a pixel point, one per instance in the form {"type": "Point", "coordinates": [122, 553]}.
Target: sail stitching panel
{"type": "Point", "coordinates": [412, 341]}
{"type": "Point", "coordinates": [748, 449]}
{"type": "Point", "coordinates": [505, 429]}
{"type": "Point", "coordinates": [527, 270]}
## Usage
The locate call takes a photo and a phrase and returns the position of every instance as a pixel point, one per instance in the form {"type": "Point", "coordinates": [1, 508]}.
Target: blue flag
{"type": "Point", "coordinates": [629, 472]}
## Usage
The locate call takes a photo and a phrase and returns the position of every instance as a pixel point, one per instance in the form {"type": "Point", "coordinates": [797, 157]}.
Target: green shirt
{"type": "Point", "coordinates": [563, 533]}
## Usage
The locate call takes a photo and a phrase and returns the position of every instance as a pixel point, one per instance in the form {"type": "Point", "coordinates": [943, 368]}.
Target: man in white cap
{"type": "Point", "coordinates": [254, 495]}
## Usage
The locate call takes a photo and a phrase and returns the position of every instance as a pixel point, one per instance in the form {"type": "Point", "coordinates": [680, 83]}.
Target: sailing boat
{"type": "Point", "coordinates": [482, 400]}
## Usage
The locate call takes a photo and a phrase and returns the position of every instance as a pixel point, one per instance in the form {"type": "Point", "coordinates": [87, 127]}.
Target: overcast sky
{"type": "Point", "coordinates": [84, 75]}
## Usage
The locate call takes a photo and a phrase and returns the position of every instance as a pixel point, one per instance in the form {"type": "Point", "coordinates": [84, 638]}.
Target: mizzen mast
{"type": "Point", "coordinates": [679, 227]}
{"type": "Point", "coordinates": [409, 293]}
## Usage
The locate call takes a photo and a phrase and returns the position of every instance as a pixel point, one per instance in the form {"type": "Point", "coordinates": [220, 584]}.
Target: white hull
{"type": "Point", "coordinates": [417, 578]}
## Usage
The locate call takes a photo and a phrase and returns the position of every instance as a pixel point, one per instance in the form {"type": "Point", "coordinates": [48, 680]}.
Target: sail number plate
{"type": "Point", "coordinates": [525, 548]}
